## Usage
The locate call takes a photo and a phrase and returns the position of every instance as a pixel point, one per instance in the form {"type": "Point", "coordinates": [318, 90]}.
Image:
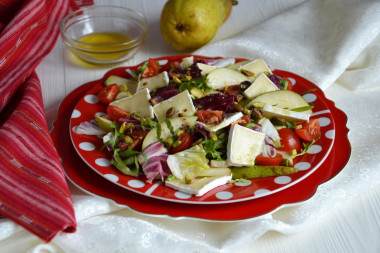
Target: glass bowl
{"type": "Point", "coordinates": [104, 34]}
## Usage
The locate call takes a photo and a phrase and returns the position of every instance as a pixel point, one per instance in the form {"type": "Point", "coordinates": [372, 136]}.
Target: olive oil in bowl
{"type": "Point", "coordinates": [105, 46]}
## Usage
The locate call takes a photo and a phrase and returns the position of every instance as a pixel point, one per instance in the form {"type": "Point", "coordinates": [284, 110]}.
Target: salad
{"type": "Point", "coordinates": [203, 123]}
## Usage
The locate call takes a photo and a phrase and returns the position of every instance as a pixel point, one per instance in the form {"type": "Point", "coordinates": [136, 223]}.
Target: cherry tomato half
{"type": "Point", "coordinates": [207, 116]}
{"type": "Point", "coordinates": [185, 140]}
{"type": "Point", "coordinates": [115, 113]}
{"type": "Point", "coordinates": [309, 130]}
{"type": "Point", "coordinates": [269, 161]}
{"type": "Point", "coordinates": [289, 140]}
{"type": "Point", "coordinates": [108, 93]}
{"type": "Point", "coordinates": [151, 69]}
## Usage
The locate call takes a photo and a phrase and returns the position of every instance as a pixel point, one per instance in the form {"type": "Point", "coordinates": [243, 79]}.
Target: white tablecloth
{"type": "Point", "coordinates": [334, 44]}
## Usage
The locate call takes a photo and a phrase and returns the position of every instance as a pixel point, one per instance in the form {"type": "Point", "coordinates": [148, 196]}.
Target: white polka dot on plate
{"type": "Point", "coordinates": [330, 134]}
{"type": "Point", "coordinates": [314, 149]}
{"type": "Point", "coordinates": [310, 97]}
{"type": "Point", "coordinates": [86, 146]}
{"type": "Point", "coordinates": [111, 177]}
{"type": "Point", "coordinates": [103, 162]}
{"type": "Point", "coordinates": [261, 192]}
{"type": "Point", "coordinates": [302, 165]}
{"type": "Point", "coordinates": [292, 80]}
{"type": "Point", "coordinates": [223, 195]}
{"type": "Point", "coordinates": [136, 183]}
{"type": "Point", "coordinates": [282, 180]}
{"type": "Point", "coordinates": [246, 183]}
{"type": "Point", "coordinates": [163, 62]}
{"type": "Point", "coordinates": [91, 99]}
{"type": "Point", "coordinates": [75, 129]}
{"type": "Point", "coordinates": [182, 195]}
{"type": "Point", "coordinates": [75, 114]}
{"type": "Point", "coordinates": [130, 72]}
{"type": "Point", "coordinates": [324, 121]}
{"type": "Point", "coordinates": [99, 114]}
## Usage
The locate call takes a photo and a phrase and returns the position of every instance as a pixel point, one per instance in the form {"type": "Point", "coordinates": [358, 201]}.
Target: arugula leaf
{"type": "Point", "coordinates": [306, 147]}
{"type": "Point", "coordinates": [129, 152]}
{"type": "Point", "coordinates": [147, 122]}
{"type": "Point", "coordinates": [142, 68]}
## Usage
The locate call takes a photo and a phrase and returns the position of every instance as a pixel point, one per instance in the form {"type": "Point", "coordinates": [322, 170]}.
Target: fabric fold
{"type": "Point", "coordinates": [316, 39]}
{"type": "Point", "coordinates": [33, 189]}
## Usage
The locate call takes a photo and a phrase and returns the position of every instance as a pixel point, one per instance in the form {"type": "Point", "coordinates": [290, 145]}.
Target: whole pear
{"type": "Point", "coordinates": [187, 25]}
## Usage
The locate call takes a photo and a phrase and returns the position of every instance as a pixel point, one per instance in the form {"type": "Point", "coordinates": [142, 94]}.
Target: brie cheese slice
{"type": "Point", "coordinates": [154, 82]}
{"type": "Point", "coordinates": [138, 103]}
{"type": "Point", "coordinates": [244, 145]}
{"type": "Point", "coordinates": [270, 111]}
{"type": "Point", "coordinates": [182, 104]}
{"type": "Point", "coordinates": [200, 186]}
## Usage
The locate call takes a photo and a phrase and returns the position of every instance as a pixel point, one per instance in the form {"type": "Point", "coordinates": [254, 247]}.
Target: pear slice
{"type": "Point", "coordinates": [222, 77]}
{"type": "Point", "coordinates": [176, 123]}
{"type": "Point", "coordinates": [285, 99]}
{"type": "Point", "coordinates": [104, 123]}
{"type": "Point", "coordinates": [206, 69]}
{"type": "Point", "coordinates": [199, 186]}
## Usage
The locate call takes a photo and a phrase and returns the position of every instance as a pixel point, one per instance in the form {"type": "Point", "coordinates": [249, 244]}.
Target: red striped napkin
{"type": "Point", "coordinates": [33, 189]}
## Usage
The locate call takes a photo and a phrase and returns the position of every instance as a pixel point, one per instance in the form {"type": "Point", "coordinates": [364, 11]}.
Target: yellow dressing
{"type": "Point", "coordinates": [105, 46]}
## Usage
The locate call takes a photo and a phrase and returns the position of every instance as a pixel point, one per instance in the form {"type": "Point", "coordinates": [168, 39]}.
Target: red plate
{"type": "Point", "coordinates": [87, 179]}
{"type": "Point", "coordinates": [88, 148]}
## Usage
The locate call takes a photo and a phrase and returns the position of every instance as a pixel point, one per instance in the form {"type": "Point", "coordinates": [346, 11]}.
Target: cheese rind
{"type": "Point", "coordinates": [200, 186]}
{"type": "Point", "coordinates": [255, 67]}
{"type": "Point", "coordinates": [154, 82]}
{"type": "Point", "coordinates": [244, 145]}
{"type": "Point", "coordinates": [137, 103]}
{"type": "Point", "coordinates": [225, 122]}
{"type": "Point", "coordinates": [261, 85]}
{"type": "Point", "coordinates": [182, 103]}
{"type": "Point", "coordinates": [268, 128]}
{"type": "Point", "coordinates": [270, 111]}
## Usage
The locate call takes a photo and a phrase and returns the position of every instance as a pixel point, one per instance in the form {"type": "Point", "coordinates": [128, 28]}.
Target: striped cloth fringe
{"type": "Point", "coordinates": [33, 189]}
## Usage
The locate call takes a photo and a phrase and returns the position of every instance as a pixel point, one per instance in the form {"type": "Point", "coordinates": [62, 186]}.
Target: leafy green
{"type": "Point", "coordinates": [210, 146]}
{"type": "Point", "coordinates": [142, 68]}
{"type": "Point", "coordinates": [284, 84]}
{"type": "Point", "coordinates": [122, 165]}
{"type": "Point", "coordinates": [147, 122]}
{"type": "Point", "coordinates": [199, 83]}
